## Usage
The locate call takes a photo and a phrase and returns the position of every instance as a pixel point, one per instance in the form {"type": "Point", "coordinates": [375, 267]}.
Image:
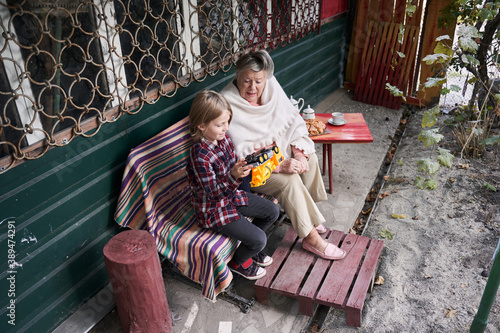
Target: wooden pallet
{"type": "Point", "coordinates": [341, 284]}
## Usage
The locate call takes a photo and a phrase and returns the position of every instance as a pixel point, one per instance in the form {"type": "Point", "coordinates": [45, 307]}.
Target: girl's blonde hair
{"type": "Point", "coordinates": [207, 106]}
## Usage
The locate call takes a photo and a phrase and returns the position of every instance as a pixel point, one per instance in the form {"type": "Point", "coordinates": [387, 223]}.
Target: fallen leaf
{"type": "Point", "coordinates": [379, 280]}
{"type": "Point", "coordinates": [386, 177]}
{"type": "Point", "coordinates": [463, 166]}
{"type": "Point", "coordinates": [449, 313]}
{"type": "Point", "coordinates": [403, 121]}
{"type": "Point", "coordinates": [415, 217]}
{"type": "Point", "coordinates": [383, 195]}
{"type": "Point", "coordinates": [352, 231]}
{"type": "Point", "coordinates": [395, 190]}
{"type": "Point", "coordinates": [364, 213]}
{"type": "Point", "coordinates": [428, 276]}
{"type": "Point", "coordinates": [399, 216]}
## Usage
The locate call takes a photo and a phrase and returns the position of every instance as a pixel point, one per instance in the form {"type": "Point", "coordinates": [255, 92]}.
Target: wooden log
{"type": "Point", "coordinates": [134, 270]}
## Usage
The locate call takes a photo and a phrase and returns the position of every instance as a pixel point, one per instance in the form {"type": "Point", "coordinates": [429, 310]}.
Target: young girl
{"type": "Point", "coordinates": [215, 173]}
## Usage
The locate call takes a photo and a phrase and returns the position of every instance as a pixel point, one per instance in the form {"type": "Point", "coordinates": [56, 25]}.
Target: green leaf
{"type": "Point", "coordinates": [445, 91]}
{"type": "Point", "coordinates": [430, 137]}
{"type": "Point", "coordinates": [470, 59]}
{"type": "Point", "coordinates": [454, 87]}
{"type": "Point", "coordinates": [491, 140]}
{"type": "Point", "coordinates": [442, 48]}
{"type": "Point", "coordinates": [427, 165]}
{"type": "Point", "coordinates": [434, 82]}
{"type": "Point", "coordinates": [477, 131]}
{"type": "Point", "coordinates": [384, 233]}
{"type": "Point", "coordinates": [410, 9]}
{"type": "Point", "coordinates": [419, 183]}
{"type": "Point", "coordinates": [485, 14]}
{"type": "Point", "coordinates": [431, 184]}
{"type": "Point", "coordinates": [490, 187]}
{"type": "Point", "coordinates": [430, 116]}
{"type": "Point", "coordinates": [443, 37]}
{"type": "Point", "coordinates": [393, 90]}
{"type": "Point", "coordinates": [436, 58]}
{"type": "Point", "coordinates": [401, 33]}
{"type": "Point", "coordinates": [472, 80]}
{"type": "Point", "coordinates": [400, 54]}
{"type": "Point", "coordinates": [467, 37]}
{"type": "Point", "coordinates": [445, 157]}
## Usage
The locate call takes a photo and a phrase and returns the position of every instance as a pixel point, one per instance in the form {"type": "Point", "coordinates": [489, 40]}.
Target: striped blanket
{"type": "Point", "coordinates": [155, 196]}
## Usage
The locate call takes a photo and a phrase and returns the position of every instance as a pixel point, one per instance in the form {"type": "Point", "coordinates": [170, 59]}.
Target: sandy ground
{"type": "Point", "coordinates": [436, 266]}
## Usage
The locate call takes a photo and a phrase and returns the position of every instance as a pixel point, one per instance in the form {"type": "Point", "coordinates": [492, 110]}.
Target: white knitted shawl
{"type": "Point", "coordinates": [277, 120]}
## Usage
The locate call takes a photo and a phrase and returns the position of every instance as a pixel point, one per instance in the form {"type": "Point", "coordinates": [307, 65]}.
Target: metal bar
{"type": "Point", "coordinates": [483, 312]}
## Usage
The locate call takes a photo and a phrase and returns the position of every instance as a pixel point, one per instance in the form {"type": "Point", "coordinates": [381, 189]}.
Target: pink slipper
{"type": "Point", "coordinates": [321, 229]}
{"type": "Point", "coordinates": [331, 252]}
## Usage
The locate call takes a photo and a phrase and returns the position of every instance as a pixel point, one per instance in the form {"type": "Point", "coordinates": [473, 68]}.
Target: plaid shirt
{"type": "Point", "coordinates": [214, 190]}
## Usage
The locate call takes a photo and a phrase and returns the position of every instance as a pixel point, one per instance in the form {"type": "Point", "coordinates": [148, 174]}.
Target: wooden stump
{"type": "Point", "coordinates": [135, 274]}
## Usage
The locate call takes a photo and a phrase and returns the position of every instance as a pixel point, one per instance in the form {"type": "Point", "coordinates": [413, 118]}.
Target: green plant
{"type": "Point", "coordinates": [490, 187]}
{"type": "Point", "coordinates": [478, 49]}
{"type": "Point", "coordinates": [431, 165]}
{"type": "Point", "coordinates": [384, 233]}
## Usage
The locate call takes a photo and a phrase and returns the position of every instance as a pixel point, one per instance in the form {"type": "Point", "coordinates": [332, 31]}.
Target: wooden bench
{"type": "Point", "coordinates": [155, 195]}
{"type": "Point", "coordinates": [340, 284]}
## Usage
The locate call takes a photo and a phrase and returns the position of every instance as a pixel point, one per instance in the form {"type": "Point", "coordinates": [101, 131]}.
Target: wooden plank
{"type": "Point", "coordinates": [390, 99]}
{"type": "Point", "coordinates": [363, 66]}
{"type": "Point", "coordinates": [293, 271]}
{"type": "Point", "coordinates": [279, 256]}
{"type": "Point", "coordinates": [359, 35]}
{"type": "Point", "coordinates": [339, 279]}
{"type": "Point", "coordinates": [408, 65]}
{"type": "Point", "coordinates": [399, 11]}
{"type": "Point", "coordinates": [386, 10]}
{"type": "Point", "coordinates": [319, 270]}
{"type": "Point", "coordinates": [261, 286]}
{"type": "Point", "coordinates": [403, 70]}
{"type": "Point", "coordinates": [381, 76]}
{"type": "Point", "coordinates": [380, 62]}
{"type": "Point", "coordinates": [428, 42]}
{"type": "Point", "coordinates": [379, 30]}
{"type": "Point", "coordinates": [363, 281]}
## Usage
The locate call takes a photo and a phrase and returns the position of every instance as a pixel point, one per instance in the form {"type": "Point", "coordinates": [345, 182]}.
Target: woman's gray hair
{"type": "Point", "coordinates": [256, 61]}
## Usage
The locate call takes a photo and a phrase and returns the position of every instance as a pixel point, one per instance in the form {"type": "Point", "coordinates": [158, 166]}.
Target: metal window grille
{"type": "Point", "coordinates": [68, 67]}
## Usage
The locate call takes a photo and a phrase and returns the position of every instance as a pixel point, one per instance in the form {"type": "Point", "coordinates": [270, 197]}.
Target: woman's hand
{"type": "Point", "coordinates": [303, 163]}
{"type": "Point", "coordinates": [291, 165]}
{"type": "Point", "coordinates": [240, 169]}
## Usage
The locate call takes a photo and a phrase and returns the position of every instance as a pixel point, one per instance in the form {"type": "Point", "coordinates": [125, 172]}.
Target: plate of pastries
{"type": "Point", "coordinates": [316, 127]}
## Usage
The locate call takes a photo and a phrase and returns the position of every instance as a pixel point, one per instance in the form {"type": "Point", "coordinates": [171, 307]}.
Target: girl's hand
{"type": "Point", "coordinates": [240, 169]}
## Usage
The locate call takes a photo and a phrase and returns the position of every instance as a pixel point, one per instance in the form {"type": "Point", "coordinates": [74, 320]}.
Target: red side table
{"type": "Point", "coordinates": [355, 130]}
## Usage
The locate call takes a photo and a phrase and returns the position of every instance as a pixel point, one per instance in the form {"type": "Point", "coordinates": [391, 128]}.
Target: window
{"type": "Point", "coordinates": [66, 64]}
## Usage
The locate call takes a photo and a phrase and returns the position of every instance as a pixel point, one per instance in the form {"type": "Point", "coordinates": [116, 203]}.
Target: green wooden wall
{"type": "Point", "coordinates": [61, 205]}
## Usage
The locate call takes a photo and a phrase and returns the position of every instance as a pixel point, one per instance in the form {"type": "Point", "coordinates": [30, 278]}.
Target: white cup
{"type": "Point", "coordinates": [337, 117]}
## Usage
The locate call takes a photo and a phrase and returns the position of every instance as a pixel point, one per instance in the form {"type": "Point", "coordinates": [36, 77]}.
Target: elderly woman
{"type": "Point", "coordinates": [263, 115]}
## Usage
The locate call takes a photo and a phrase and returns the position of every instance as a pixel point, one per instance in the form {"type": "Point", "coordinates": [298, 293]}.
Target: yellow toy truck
{"type": "Point", "coordinates": [263, 163]}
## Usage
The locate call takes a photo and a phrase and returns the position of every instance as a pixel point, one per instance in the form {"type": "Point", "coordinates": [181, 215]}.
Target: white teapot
{"type": "Point", "coordinates": [296, 103]}
{"type": "Point", "coordinates": [308, 113]}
